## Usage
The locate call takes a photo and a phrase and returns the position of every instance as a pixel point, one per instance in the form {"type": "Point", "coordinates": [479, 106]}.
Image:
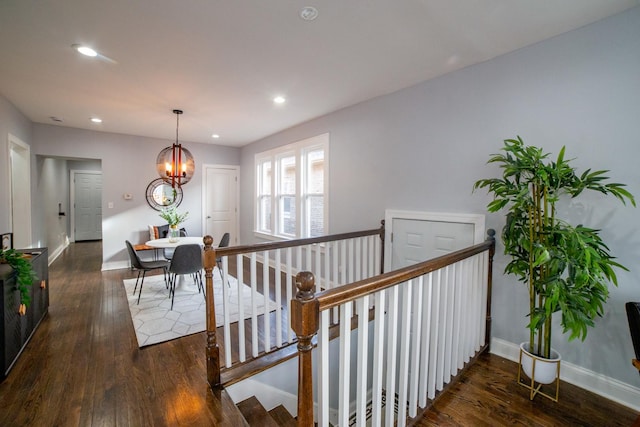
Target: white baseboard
{"type": "Point", "coordinates": [56, 253]}
{"type": "Point", "coordinates": [115, 265]}
{"type": "Point", "coordinates": [602, 385]}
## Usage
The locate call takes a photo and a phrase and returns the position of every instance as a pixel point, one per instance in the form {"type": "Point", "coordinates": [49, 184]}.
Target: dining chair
{"type": "Point", "coordinates": [224, 242]}
{"type": "Point", "coordinates": [633, 315]}
{"type": "Point", "coordinates": [187, 259]}
{"type": "Point", "coordinates": [144, 266]}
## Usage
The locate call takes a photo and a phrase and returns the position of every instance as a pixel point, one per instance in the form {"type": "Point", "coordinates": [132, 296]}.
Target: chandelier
{"type": "Point", "coordinates": [175, 164]}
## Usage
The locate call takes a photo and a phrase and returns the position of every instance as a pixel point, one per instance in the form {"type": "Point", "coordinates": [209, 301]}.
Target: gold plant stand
{"type": "Point", "coordinates": [535, 388]}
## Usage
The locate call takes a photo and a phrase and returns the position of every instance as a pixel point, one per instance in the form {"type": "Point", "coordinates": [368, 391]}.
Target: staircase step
{"type": "Point", "coordinates": [283, 417]}
{"type": "Point", "coordinates": [255, 414]}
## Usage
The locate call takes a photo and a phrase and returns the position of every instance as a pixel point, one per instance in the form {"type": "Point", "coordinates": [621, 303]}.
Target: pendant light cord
{"type": "Point", "coordinates": [177, 112]}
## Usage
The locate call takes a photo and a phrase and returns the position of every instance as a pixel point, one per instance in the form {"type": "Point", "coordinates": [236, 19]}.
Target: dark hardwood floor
{"type": "Point", "coordinates": [83, 367]}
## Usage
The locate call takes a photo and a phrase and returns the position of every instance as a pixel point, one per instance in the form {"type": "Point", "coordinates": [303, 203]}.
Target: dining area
{"type": "Point", "coordinates": [175, 257]}
{"type": "Point", "coordinates": [166, 293]}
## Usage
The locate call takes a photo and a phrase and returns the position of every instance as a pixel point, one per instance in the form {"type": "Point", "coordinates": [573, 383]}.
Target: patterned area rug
{"type": "Point", "coordinates": [154, 322]}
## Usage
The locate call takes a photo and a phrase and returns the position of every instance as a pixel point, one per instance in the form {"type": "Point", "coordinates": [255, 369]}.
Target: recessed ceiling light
{"type": "Point", "coordinates": [96, 120]}
{"type": "Point", "coordinates": [215, 135]}
{"type": "Point", "coordinates": [85, 50]}
{"type": "Point", "coordinates": [279, 100]}
{"type": "Point", "coordinates": [309, 13]}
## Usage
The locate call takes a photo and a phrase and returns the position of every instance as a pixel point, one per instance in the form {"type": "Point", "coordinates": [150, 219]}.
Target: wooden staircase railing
{"type": "Point", "coordinates": [335, 260]}
{"type": "Point", "coordinates": [456, 292]}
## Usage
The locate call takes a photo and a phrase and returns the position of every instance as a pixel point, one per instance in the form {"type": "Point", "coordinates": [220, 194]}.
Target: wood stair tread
{"type": "Point", "coordinates": [282, 417]}
{"type": "Point", "coordinates": [255, 413]}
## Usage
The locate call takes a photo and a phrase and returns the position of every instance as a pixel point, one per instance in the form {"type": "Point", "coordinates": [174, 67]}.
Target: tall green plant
{"type": "Point", "coordinates": [566, 268]}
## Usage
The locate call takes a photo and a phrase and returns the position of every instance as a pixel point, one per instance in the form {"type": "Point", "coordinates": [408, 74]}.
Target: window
{"type": "Point", "coordinates": [291, 190]}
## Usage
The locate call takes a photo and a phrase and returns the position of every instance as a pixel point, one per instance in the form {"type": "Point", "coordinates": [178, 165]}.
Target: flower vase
{"type": "Point", "coordinates": [174, 233]}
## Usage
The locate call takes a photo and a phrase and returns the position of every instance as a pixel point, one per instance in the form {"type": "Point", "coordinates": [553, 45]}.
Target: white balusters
{"type": "Point", "coordinates": [378, 358]}
{"type": "Point", "coordinates": [392, 350]}
{"type": "Point", "coordinates": [416, 336]}
{"type": "Point", "coordinates": [362, 365]}
{"type": "Point", "coordinates": [289, 286]}
{"type": "Point", "coordinates": [278, 292]}
{"type": "Point", "coordinates": [405, 339]}
{"type": "Point", "coordinates": [227, 331]}
{"type": "Point", "coordinates": [345, 364]}
{"type": "Point", "coordinates": [423, 332]}
{"type": "Point", "coordinates": [241, 308]}
{"type": "Point", "coordinates": [266, 318]}
{"type": "Point", "coordinates": [254, 306]}
{"type": "Point", "coordinates": [323, 370]}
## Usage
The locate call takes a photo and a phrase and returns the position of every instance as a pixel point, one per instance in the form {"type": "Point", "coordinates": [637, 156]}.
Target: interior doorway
{"type": "Point", "coordinates": [86, 205]}
{"type": "Point", "coordinates": [220, 202]}
{"type": "Point", "coordinates": [20, 197]}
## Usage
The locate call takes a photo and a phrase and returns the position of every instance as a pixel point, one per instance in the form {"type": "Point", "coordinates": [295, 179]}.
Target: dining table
{"type": "Point", "coordinates": [166, 243]}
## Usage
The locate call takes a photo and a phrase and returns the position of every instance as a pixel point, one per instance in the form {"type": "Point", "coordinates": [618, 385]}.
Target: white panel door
{"type": "Point", "coordinates": [20, 200]}
{"type": "Point", "coordinates": [88, 206]}
{"type": "Point", "coordinates": [221, 202]}
{"type": "Point", "coordinates": [415, 241]}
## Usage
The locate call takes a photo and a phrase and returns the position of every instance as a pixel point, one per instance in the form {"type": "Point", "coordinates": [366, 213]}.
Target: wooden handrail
{"type": "Point", "coordinates": [267, 246]}
{"type": "Point", "coordinates": [333, 297]}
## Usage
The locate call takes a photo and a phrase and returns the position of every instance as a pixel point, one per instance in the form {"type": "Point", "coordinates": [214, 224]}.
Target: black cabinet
{"type": "Point", "coordinates": [16, 330]}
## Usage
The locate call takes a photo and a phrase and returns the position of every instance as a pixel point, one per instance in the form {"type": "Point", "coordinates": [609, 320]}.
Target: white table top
{"type": "Point", "coordinates": [165, 243]}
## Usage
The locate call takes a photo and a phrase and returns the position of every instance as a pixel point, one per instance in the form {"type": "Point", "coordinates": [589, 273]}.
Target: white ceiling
{"type": "Point", "coordinates": [222, 61]}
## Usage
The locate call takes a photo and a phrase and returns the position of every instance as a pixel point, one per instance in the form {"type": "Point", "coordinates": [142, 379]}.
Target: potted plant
{"type": "Point", "coordinates": [567, 268]}
{"type": "Point", "coordinates": [174, 219]}
{"type": "Point", "coordinates": [25, 275]}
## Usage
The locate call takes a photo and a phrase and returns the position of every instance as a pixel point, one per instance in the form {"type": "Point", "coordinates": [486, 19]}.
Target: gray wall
{"type": "Point", "coordinates": [423, 148]}
{"type": "Point", "coordinates": [52, 187]}
{"type": "Point", "coordinates": [128, 165]}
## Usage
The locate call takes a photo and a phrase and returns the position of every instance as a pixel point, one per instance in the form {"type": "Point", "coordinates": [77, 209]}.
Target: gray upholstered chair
{"type": "Point", "coordinates": [187, 259]}
{"type": "Point", "coordinates": [144, 266]}
{"type": "Point", "coordinates": [633, 315]}
{"type": "Point", "coordinates": [224, 242]}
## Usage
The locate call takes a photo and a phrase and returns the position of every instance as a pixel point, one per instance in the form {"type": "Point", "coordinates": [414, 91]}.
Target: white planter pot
{"type": "Point", "coordinates": [539, 369]}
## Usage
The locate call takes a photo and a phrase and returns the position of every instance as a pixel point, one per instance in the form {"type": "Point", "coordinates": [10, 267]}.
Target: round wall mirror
{"type": "Point", "coordinates": [160, 195]}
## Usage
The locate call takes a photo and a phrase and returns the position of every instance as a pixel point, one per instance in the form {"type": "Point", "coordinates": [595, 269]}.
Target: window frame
{"type": "Point", "coordinates": [300, 151]}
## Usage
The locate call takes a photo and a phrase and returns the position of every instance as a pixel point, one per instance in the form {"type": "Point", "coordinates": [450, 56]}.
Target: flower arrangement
{"type": "Point", "coordinates": [171, 215]}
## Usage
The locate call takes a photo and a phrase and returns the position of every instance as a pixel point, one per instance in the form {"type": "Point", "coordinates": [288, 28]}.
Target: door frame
{"type": "Point", "coordinates": [477, 220]}
{"type": "Point", "coordinates": [205, 168]}
{"type": "Point", "coordinates": [20, 180]}
{"type": "Point", "coordinates": [72, 199]}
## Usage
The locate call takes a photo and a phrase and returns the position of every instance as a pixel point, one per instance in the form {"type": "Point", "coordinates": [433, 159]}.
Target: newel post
{"type": "Point", "coordinates": [213, 351]}
{"type": "Point", "coordinates": [305, 323]}
{"type": "Point", "coordinates": [491, 236]}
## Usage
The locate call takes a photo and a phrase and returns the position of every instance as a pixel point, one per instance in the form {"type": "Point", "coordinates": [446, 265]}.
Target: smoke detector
{"type": "Point", "coordinates": [309, 13]}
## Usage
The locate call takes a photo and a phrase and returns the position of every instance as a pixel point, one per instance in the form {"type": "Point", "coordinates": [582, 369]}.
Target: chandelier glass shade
{"type": "Point", "coordinates": [175, 164]}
